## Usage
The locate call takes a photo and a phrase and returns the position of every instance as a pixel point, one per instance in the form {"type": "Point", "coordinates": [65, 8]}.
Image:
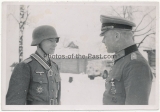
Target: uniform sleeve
{"type": "Point", "coordinates": [18, 86]}
{"type": "Point", "coordinates": [137, 82]}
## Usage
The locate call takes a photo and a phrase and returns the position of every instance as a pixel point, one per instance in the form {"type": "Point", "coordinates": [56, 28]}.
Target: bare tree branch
{"type": "Point", "coordinates": [143, 18]}
{"type": "Point", "coordinates": [146, 47]}
{"type": "Point", "coordinates": [136, 11]}
{"type": "Point", "coordinates": [146, 25]}
{"type": "Point", "coordinates": [27, 9]}
{"type": "Point", "coordinates": [143, 33]}
{"type": "Point", "coordinates": [13, 17]}
{"type": "Point", "coordinates": [153, 27]}
{"type": "Point", "coordinates": [145, 38]}
{"type": "Point", "coordinates": [123, 12]}
{"type": "Point", "coordinates": [115, 11]}
{"type": "Point", "coordinates": [150, 16]}
{"type": "Point", "coordinates": [130, 12]}
{"type": "Point", "coordinates": [126, 11]}
{"type": "Point", "coordinates": [25, 20]}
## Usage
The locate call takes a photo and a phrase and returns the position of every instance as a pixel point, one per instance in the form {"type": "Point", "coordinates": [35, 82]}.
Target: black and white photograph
{"type": "Point", "coordinates": [80, 55]}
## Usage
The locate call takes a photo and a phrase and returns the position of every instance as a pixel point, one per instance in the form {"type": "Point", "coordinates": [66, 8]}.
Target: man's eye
{"type": "Point", "coordinates": [51, 40]}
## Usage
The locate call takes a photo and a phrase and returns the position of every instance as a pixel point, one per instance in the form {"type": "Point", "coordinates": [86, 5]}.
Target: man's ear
{"type": "Point", "coordinates": [117, 36]}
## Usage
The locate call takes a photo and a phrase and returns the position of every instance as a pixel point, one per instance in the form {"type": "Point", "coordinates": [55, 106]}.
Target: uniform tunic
{"type": "Point", "coordinates": [129, 80]}
{"type": "Point", "coordinates": [32, 84]}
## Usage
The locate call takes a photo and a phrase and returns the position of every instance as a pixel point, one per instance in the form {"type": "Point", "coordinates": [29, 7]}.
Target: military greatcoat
{"type": "Point", "coordinates": [129, 80]}
{"type": "Point", "coordinates": [34, 82]}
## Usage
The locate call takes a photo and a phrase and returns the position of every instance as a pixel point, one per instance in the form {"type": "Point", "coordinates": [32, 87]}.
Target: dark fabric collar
{"type": "Point", "coordinates": [125, 52]}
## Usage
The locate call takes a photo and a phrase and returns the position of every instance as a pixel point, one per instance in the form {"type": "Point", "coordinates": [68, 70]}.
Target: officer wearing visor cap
{"type": "Point", "coordinates": [129, 80]}
{"type": "Point", "coordinates": [36, 80]}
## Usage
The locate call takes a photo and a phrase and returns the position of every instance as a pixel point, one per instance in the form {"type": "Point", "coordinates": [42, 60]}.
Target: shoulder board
{"type": "Point", "coordinates": [27, 60]}
{"type": "Point", "coordinates": [133, 56]}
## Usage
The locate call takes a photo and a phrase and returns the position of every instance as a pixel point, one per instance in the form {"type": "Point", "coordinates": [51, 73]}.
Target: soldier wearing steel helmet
{"type": "Point", "coordinates": [36, 80]}
{"type": "Point", "coordinates": [129, 80]}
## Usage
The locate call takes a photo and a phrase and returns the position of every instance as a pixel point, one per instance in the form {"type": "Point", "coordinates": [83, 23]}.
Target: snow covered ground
{"type": "Point", "coordinates": [83, 91]}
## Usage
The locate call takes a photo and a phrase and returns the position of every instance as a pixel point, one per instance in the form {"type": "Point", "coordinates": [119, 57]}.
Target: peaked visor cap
{"type": "Point", "coordinates": [113, 22]}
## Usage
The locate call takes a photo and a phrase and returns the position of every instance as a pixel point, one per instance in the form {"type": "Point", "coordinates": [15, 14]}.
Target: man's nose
{"type": "Point", "coordinates": [54, 44]}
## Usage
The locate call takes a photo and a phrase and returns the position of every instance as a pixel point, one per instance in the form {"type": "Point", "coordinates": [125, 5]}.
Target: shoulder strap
{"type": "Point", "coordinates": [35, 56]}
{"type": "Point", "coordinates": [27, 60]}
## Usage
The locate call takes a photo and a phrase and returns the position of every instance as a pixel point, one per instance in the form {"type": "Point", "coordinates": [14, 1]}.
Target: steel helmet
{"type": "Point", "coordinates": [43, 32]}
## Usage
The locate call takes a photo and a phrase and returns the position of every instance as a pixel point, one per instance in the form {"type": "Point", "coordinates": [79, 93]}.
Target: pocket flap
{"type": "Point", "coordinates": [40, 79]}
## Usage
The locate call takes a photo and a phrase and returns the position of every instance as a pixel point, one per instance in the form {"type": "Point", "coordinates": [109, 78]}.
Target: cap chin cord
{"type": "Point", "coordinates": [45, 54]}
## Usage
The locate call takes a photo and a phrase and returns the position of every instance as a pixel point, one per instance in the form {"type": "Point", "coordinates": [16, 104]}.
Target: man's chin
{"type": "Point", "coordinates": [109, 51]}
{"type": "Point", "coordinates": [52, 52]}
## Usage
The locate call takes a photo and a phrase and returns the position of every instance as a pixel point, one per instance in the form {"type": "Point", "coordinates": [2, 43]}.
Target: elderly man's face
{"type": "Point", "coordinates": [109, 41]}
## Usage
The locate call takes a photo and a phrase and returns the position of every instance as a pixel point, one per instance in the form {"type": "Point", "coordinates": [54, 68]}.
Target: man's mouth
{"type": "Point", "coordinates": [52, 48]}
